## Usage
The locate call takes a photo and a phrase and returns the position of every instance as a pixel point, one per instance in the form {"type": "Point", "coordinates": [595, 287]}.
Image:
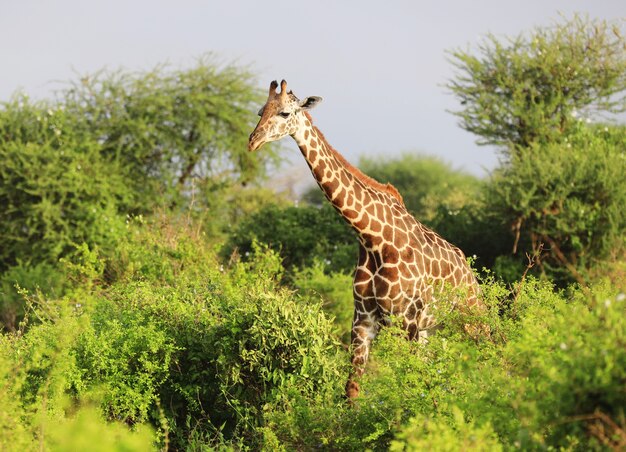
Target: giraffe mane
{"type": "Point", "coordinates": [357, 173]}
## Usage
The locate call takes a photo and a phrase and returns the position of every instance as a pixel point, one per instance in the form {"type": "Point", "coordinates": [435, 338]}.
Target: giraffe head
{"type": "Point", "coordinates": [282, 115]}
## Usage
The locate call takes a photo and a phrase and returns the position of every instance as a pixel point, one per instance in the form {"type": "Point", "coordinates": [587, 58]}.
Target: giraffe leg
{"type": "Point", "coordinates": [364, 329]}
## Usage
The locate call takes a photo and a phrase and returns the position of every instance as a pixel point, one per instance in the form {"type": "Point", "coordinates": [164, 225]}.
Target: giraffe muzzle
{"type": "Point", "coordinates": [254, 142]}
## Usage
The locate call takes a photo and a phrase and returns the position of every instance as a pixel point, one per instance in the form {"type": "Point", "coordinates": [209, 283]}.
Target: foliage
{"type": "Point", "coordinates": [568, 196]}
{"type": "Point", "coordinates": [55, 188]}
{"type": "Point", "coordinates": [238, 337]}
{"type": "Point", "coordinates": [224, 356]}
{"type": "Point", "coordinates": [559, 187]}
{"type": "Point", "coordinates": [29, 278]}
{"type": "Point", "coordinates": [549, 376]}
{"type": "Point", "coordinates": [426, 183]}
{"type": "Point", "coordinates": [300, 234]}
{"type": "Point", "coordinates": [87, 430]}
{"type": "Point", "coordinates": [179, 342]}
{"type": "Point", "coordinates": [223, 207]}
{"type": "Point", "coordinates": [335, 292]}
{"type": "Point", "coordinates": [531, 88]}
{"type": "Point", "coordinates": [114, 144]}
{"type": "Point", "coordinates": [435, 434]}
{"type": "Point", "coordinates": [36, 369]}
{"type": "Point", "coordinates": [164, 128]}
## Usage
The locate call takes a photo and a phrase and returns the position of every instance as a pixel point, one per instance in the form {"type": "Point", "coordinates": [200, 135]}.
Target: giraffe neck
{"type": "Point", "coordinates": [358, 198]}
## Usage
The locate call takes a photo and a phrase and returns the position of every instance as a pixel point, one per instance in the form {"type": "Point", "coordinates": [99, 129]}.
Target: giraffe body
{"type": "Point", "coordinates": [401, 264]}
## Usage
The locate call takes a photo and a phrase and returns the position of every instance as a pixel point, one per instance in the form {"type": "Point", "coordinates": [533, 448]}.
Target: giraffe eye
{"type": "Point", "coordinates": [284, 114]}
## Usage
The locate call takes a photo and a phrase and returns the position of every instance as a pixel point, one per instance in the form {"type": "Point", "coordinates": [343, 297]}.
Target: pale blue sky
{"type": "Point", "coordinates": [379, 66]}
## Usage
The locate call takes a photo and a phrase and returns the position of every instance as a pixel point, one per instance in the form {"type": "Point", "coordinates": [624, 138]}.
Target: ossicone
{"type": "Point", "coordinates": [273, 87]}
{"type": "Point", "coordinates": [283, 89]}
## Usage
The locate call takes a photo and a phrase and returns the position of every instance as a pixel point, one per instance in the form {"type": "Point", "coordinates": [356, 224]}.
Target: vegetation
{"type": "Point", "coordinates": [210, 355]}
{"type": "Point", "coordinates": [155, 296]}
{"type": "Point", "coordinates": [534, 88]}
{"type": "Point", "coordinates": [560, 187]}
{"type": "Point", "coordinates": [117, 145]}
{"type": "Point", "coordinates": [301, 234]}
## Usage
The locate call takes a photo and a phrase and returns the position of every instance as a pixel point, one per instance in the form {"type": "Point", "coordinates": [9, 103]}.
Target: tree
{"type": "Point", "coordinates": [426, 183]}
{"type": "Point", "coordinates": [534, 87]}
{"type": "Point", "coordinates": [168, 129]}
{"type": "Point", "coordinates": [119, 144]}
{"type": "Point", "coordinates": [569, 199]}
{"type": "Point", "coordinates": [560, 187]}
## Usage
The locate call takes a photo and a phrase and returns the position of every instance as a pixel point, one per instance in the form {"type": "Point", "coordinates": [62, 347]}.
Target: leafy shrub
{"type": "Point", "coordinates": [548, 376]}
{"type": "Point", "coordinates": [128, 357]}
{"type": "Point", "coordinates": [569, 197]}
{"type": "Point", "coordinates": [572, 369]}
{"type": "Point", "coordinates": [14, 431]}
{"type": "Point", "coordinates": [86, 429]}
{"type": "Point", "coordinates": [55, 188]}
{"type": "Point", "coordinates": [115, 144]}
{"type": "Point", "coordinates": [177, 341]}
{"type": "Point", "coordinates": [335, 292]}
{"type": "Point", "coordinates": [214, 356]}
{"type": "Point", "coordinates": [19, 278]}
{"type": "Point", "coordinates": [300, 234]}
{"type": "Point", "coordinates": [36, 372]}
{"type": "Point", "coordinates": [436, 434]}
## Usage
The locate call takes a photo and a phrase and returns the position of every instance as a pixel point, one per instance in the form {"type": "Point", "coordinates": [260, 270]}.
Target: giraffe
{"type": "Point", "coordinates": [401, 261]}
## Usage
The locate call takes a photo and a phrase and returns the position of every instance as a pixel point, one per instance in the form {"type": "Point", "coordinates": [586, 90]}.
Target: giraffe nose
{"type": "Point", "coordinates": [254, 142]}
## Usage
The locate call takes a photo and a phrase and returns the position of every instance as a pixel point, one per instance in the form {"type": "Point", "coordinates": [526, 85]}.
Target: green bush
{"type": "Point", "coordinates": [36, 372]}
{"type": "Point", "coordinates": [335, 292]}
{"type": "Point", "coordinates": [214, 356]}
{"type": "Point", "coordinates": [118, 144]}
{"type": "Point", "coordinates": [436, 434]}
{"type": "Point", "coordinates": [179, 342]}
{"type": "Point", "coordinates": [30, 278]}
{"type": "Point", "coordinates": [55, 188]}
{"type": "Point", "coordinates": [569, 197]}
{"type": "Point", "coordinates": [549, 376]}
{"type": "Point", "coordinates": [128, 357]}
{"type": "Point", "coordinates": [301, 235]}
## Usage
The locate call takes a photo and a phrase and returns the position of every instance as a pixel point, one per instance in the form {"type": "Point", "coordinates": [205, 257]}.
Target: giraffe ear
{"type": "Point", "coordinates": [310, 102]}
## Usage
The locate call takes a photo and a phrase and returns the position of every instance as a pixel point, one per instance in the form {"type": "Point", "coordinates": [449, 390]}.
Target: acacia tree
{"type": "Point", "coordinates": [540, 98]}
{"type": "Point", "coordinates": [166, 128]}
{"type": "Point", "coordinates": [113, 144]}
{"type": "Point", "coordinates": [534, 87]}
